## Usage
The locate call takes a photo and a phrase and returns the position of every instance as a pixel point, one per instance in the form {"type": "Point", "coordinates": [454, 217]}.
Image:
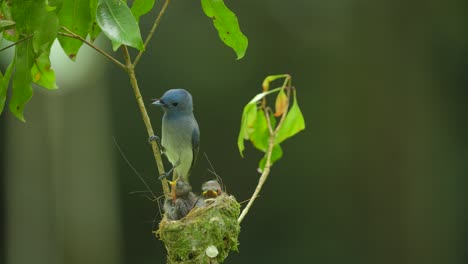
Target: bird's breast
{"type": "Point", "coordinates": [176, 136]}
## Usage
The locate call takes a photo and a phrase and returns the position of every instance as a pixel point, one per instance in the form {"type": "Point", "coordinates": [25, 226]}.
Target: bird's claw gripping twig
{"type": "Point", "coordinates": [158, 141]}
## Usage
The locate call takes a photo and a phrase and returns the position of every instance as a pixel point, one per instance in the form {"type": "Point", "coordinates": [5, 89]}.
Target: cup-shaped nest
{"type": "Point", "coordinates": [206, 235]}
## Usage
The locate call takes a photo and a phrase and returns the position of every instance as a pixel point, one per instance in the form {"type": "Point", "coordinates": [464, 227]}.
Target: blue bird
{"type": "Point", "coordinates": [180, 132]}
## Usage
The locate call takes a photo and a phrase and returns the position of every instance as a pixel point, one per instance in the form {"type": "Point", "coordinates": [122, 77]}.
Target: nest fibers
{"type": "Point", "coordinates": [205, 235]}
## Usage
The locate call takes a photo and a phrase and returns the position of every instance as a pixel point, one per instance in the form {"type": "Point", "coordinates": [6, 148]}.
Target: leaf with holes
{"type": "Point", "coordinates": [227, 25]}
{"type": "Point", "coordinates": [74, 15]}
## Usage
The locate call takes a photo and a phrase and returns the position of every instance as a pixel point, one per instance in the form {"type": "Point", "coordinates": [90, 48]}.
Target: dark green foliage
{"type": "Point", "coordinates": [35, 24]}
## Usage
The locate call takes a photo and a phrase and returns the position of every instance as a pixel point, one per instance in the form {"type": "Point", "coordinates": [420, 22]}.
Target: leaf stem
{"type": "Point", "coordinates": [153, 29]}
{"type": "Point", "coordinates": [70, 34]}
{"type": "Point", "coordinates": [156, 151]}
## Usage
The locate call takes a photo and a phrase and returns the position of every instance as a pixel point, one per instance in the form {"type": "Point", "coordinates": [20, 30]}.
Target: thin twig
{"type": "Point", "coordinates": [266, 171]}
{"type": "Point", "coordinates": [16, 43]}
{"type": "Point", "coordinates": [146, 119]}
{"type": "Point", "coordinates": [70, 34]}
{"type": "Point", "coordinates": [153, 29]}
{"type": "Point", "coordinates": [271, 144]}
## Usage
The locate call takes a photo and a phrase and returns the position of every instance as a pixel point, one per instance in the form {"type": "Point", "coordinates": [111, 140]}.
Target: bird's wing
{"type": "Point", "coordinates": [195, 146]}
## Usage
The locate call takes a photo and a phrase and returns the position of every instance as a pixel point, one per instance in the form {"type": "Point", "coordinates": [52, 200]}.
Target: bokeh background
{"type": "Point", "coordinates": [378, 176]}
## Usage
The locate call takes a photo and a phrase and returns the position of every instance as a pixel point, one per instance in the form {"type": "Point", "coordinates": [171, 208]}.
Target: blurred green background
{"type": "Point", "coordinates": [378, 176]}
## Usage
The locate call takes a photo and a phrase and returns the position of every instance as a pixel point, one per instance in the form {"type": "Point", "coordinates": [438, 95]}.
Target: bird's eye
{"type": "Point", "coordinates": [174, 104]}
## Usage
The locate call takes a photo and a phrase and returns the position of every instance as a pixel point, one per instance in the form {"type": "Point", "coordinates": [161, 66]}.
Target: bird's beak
{"type": "Point", "coordinates": [158, 102]}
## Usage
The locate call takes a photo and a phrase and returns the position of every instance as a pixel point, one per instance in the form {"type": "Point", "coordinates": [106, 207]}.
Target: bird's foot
{"type": "Point", "coordinates": [154, 138]}
{"type": "Point", "coordinates": [158, 141]}
{"type": "Point", "coordinates": [163, 175]}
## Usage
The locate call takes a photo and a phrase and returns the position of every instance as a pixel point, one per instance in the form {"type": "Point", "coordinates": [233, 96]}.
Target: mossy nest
{"type": "Point", "coordinates": [205, 235]}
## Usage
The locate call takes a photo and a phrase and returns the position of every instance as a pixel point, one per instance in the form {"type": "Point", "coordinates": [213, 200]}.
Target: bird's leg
{"type": "Point", "coordinates": [167, 174]}
{"type": "Point", "coordinates": [158, 141]}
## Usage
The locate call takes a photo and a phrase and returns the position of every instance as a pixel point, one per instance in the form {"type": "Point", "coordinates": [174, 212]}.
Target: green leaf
{"type": "Point", "coordinates": [94, 29]}
{"type": "Point", "coordinates": [249, 115]}
{"type": "Point", "coordinates": [42, 72]}
{"type": "Point", "coordinates": [276, 154]}
{"type": "Point", "coordinates": [45, 29]}
{"type": "Point", "coordinates": [33, 18]}
{"type": "Point", "coordinates": [141, 7]}
{"type": "Point", "coordinates": [10, 34]}
{"type": "Point", "coordinates": [75, 15]}
{"type": "Point", "coordinates": [6, 23]}
{"type": "Point", "coordinates": [293, 123]}
{"type": "Point", "coordinates": [118, 24]}
{"type": "Point", "coordinates": [4, 81]}
{"type": "Point", "coordinates": [54, 4]}
{"type": "Point", "coordinates": [261, 134]}
{"type": "Point", "coordinates": [225, 21]}
{"type": "Point", "coordinates": [22, 90]}
{"type": "Point", "coordinates": [248, 119]}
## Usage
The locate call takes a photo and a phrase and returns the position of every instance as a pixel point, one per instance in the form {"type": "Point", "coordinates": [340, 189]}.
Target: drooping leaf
{"type": "Point", "coordinates": [42, 72]}
{"type": "Point", "coordinates": [225, 22]}
{"type": "Point", "coordinates": [271, 78]}
{"type": "Point", "coordinates": [281, 103]}
{"type": "Point", "coordinates": [249, 115]}
{"type": "Point", "coordinates": [293, 123]}
{"type": "Point", "coordinates": [118, 24]}
{"type": "Point", "coordinates": [276, 154]}
{"type": "Point", "coordinates": [4, 81]}
{"type": "Point", "coordinates": [6, 23]}
{"type": "Point", "coordinates": [141, 7]}
{"type": "Point", "coordinates": [94, 29]}
{"type": "Point", "coordinates": [259, 96]}
{"type": "Point", "coordinates": [10, 34]}
{"type": "Point", "coordinates": [22, 90]}
{"type": "Point", "coordinates": [261, 134]}
{"type": "Point", "coordinates": [45, 29]}
{"type": "Point", "coordinates": [75, 15]}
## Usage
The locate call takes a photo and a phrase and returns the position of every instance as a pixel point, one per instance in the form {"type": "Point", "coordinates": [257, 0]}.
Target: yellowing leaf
{"type": "Point", "coordinates": [293, 123]}
{"type": "Point", "coordinates": [281, 104]}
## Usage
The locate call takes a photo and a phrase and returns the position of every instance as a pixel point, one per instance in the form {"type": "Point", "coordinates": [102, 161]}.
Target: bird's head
{"type": "Point", "coordinates": [175, 100]}
{"type": "Point", "coordinates": [211, 189]}
{"type": "Point", "coordinates": [179, 188]}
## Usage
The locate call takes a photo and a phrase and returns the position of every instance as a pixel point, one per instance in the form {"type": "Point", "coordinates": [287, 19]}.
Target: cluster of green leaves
{"type": "Point", "coordinates": [265, 128]}
{"type": "Point", "coordinates": [33, 25]}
